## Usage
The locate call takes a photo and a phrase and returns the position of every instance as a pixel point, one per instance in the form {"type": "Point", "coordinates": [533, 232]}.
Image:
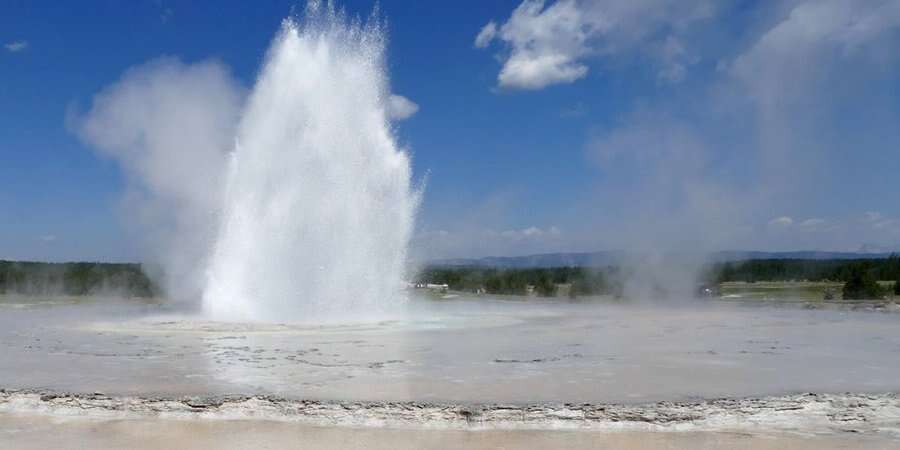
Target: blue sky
{"type": "Point", "coordinates": [542, 126]}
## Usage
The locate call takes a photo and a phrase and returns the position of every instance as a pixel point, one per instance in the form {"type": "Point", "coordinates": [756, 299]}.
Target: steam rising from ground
{"type": "Point", "coordinates": [170, 125]}
{"type": "Point", "coordinates": [293, 203]}
{"type": "Point", "coordinates": [774, 113]}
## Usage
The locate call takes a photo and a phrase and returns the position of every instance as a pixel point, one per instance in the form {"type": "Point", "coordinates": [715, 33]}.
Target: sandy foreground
{"type": "Point", "coordinates": [42, 419]}
{"type": "Point", "coordinates": [25, 431]}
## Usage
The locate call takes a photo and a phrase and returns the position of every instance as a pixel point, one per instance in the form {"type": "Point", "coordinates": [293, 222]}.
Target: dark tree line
{"type": "Point", "coordinates": [82, 278]}
{"type": "Point", "coordinates": [804, 269]}
{"type": "Point", "coordinates": [582, 281]}
{"type": "Point", "coordinates": [861, 276]}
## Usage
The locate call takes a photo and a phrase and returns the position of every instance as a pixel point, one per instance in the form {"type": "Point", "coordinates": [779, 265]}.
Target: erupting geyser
{"type": "Point", "coordinates": [291, 202]}
{"type": "Point", "coordinates": [318, 207]}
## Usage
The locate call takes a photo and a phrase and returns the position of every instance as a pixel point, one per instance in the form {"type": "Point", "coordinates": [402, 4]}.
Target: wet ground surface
{"type": "Point", "coordinates": [460, 350]}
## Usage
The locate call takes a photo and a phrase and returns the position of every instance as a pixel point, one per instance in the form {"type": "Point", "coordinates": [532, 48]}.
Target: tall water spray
{"type": "Point", "coordinates": [318, 207]}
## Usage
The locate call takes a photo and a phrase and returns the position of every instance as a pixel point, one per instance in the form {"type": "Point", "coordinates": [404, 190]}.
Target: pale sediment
{"type": "Point", "coordinates": [804, 413]}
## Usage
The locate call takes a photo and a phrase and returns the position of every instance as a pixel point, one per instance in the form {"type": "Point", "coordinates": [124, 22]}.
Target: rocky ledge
{"type": "Point", "coordinates": [806, 413]}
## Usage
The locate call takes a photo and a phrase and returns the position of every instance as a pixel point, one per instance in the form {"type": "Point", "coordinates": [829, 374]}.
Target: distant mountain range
{"type": "Point", "coordinates": [606, 258]}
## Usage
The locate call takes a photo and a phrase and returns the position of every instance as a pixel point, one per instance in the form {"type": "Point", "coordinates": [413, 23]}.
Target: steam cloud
{"type": "Point", "coordinates": [763, 137]}
{"type": "Point", "coordinates": [170, 126]}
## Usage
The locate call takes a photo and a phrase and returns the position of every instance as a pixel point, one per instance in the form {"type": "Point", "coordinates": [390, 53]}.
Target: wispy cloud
{"type": "Point", "coordinates": [47, 238]}
{"type": "Point", "coordinates": [577, 110]}
{"type": "Point", "coordinates": [166, 15]}
{"type": "Point", "coordinates": [531, 233]}
{"type": "Point", "coordinates": [872, 216]}
{"type": "Point", "coordinates": [732, 146]}
{"type": "Point", "coordinates": [486, 35]}
{"type": "Point", "coordinates": [783, 221]}
{"type": "Point", "coordinates": [815, 224]}
{"type": "Point", "coordinates": [16, 46]}
{"type": "Point", "coordinates": [888, 225]}
{"type": "Point", "coordinates": [478, 242]}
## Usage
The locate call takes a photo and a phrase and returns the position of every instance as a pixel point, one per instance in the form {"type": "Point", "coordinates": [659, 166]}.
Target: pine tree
{"type": "Point", "coordinates": [861, 285]}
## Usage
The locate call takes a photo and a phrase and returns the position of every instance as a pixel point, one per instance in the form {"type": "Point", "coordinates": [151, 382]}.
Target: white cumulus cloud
{"type": "Point", "coordinates": [551, 44]}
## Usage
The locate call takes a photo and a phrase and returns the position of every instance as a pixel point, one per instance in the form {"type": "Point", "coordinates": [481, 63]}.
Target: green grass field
{"type": "Point", "coordinates": [785, 291]}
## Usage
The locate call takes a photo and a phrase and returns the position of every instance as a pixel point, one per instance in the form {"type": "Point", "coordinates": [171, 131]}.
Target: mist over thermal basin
{"type": "Point", "coordinates": [318, 208]}
{"type": "Point", "coordinates": [296, 205]}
